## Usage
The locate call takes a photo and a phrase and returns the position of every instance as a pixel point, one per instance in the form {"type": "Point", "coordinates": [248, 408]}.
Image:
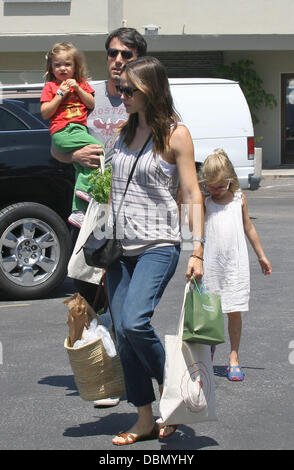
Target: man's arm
{"type": "Point", "coordinates": [86, 156]}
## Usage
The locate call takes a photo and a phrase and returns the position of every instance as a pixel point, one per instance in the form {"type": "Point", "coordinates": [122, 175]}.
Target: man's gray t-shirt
{"type": "Point", "coordinates": [108, 114]}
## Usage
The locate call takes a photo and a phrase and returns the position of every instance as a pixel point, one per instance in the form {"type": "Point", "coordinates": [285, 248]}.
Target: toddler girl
{"type": "Point", "coordinates": [65, 100]}
{"type": "Point", "coordinates": [226, 263]}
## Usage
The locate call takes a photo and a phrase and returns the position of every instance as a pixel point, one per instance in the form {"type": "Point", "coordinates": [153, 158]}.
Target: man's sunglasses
{"type": "Point", "coordinates": [126, 55]}
{"type": "Point", "coordinates": [126, 90]}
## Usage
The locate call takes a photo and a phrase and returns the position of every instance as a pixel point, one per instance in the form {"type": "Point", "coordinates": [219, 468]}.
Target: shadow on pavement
{"type": "Point", "coordinates": [221, 371]}
{"type": "Point", "coordinates": [108, 425]}
{"type": "Point", "coordinates": [65, 381]}
{"type": "Point", "coordinates": [184, 437]}
{"type": "Point", "coordinates": [66, 289]}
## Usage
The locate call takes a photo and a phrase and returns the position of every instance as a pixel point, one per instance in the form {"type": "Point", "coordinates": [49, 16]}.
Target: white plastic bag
{"type": "Point", "coordinates": [97, 331]}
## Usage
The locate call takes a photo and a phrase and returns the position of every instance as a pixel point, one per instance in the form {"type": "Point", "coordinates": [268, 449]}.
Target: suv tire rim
{"type": "Point", "coordinates": [29, 252]}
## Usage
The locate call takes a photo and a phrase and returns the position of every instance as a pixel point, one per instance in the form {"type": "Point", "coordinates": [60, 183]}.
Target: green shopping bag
{"type": "Point", "coordinates": [204, 320]}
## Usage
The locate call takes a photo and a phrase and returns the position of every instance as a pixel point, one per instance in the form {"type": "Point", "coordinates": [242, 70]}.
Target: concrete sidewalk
{"type": "Point", "coordinates": [277, 173]}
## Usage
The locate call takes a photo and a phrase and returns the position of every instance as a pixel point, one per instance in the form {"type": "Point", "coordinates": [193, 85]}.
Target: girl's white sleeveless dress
{"type": "Point", "coordinates": [226, 263]}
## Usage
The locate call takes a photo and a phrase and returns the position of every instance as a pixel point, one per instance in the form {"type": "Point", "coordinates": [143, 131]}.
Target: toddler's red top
{"type": "Point", "coordinates": [71, 108]}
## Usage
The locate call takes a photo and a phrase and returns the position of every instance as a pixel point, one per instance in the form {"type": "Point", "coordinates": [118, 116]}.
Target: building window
{"type": "Point", "coordinates": [190, 64]}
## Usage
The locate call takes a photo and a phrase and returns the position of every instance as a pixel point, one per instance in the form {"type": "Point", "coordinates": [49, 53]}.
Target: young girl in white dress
{"type": "Point", "coordinates": [226, 263]}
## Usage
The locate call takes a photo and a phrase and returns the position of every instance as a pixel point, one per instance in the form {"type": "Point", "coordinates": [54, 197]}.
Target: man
{"type": "Point", "coordinates": [122, 46]}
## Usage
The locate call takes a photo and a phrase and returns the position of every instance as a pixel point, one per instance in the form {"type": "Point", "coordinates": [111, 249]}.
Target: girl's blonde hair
{"type": "Point", "coordinates": [80, 68]}
{"type": "Point", "coordinates": [217, 167]}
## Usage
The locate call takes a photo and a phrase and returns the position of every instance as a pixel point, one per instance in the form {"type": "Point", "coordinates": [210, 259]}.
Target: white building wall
{"type": "Point", "coordinates": [78, 16]}
{"type": "Point", "coordinates": [212, 16]}
{"type": "Point", "coordinates": [174, 16]}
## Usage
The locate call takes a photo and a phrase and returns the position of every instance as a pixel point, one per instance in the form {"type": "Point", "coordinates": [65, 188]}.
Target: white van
{"type": "Point", "coordinates": [217, 116]}
{"type": "Point", "coordinates": [215, 111]}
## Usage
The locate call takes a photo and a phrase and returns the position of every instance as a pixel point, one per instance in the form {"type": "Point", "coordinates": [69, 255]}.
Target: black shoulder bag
{"type": "Point", "coordinates": [102, 252]}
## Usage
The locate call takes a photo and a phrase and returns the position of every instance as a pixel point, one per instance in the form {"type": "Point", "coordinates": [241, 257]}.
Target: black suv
{"type": "Point", "coordinates": [35, 199]}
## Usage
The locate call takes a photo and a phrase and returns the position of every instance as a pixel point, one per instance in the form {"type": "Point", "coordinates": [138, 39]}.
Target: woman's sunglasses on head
{"type": "Point", "coordinates": [126, 90]}
{"type": "Point", "coordinates": [126, 55]}
{"type": "Point", "coordinates": [218, 188]}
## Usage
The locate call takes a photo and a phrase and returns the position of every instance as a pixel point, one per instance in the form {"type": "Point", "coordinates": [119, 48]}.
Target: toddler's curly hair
{"type": "Point", "coordinates": [80, 68]}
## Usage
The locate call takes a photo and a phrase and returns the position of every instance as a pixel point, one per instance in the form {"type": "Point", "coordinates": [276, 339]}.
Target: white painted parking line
{"type": "Point", "coordinates": [14, 305]}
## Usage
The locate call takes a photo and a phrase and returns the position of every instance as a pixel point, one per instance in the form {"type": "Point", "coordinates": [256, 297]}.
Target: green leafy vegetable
{"type": "Point", "coordinates": [101, 185]}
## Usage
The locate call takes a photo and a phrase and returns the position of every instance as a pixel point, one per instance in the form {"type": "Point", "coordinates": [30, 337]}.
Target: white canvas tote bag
{"type": "Point", "coordinates": [189, 388]}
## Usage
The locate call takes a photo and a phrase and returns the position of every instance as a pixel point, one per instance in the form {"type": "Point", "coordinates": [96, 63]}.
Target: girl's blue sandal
{"type": "Point", "coordinates": [235, 374]}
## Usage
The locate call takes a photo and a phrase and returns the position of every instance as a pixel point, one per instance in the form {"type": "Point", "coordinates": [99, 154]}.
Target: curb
{"type": "Point", "coordinates": [276, 175]}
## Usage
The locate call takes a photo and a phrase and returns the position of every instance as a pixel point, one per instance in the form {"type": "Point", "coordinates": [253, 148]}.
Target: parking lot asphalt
{"type": "Point", "coordinates": [40, 406]}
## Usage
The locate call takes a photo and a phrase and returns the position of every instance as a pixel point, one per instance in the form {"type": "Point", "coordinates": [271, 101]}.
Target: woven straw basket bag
{"type": "Point", "coordinates": [96, 374]}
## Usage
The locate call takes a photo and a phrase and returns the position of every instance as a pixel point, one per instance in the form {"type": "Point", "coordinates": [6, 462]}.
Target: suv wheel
{"type": "Point", "coordinates": [34, 250]}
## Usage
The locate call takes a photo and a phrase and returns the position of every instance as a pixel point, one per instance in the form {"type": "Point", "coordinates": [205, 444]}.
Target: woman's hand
{"type": "Point", "coordinates": [194, 268]}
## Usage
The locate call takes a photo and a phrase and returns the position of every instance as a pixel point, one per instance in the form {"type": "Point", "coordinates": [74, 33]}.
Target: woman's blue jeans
{"type": "Point", "coordinates": [135, 286]}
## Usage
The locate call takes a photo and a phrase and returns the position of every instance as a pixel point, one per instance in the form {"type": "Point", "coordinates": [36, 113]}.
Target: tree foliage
{"type": "Point", "coordinates": [251, 85]}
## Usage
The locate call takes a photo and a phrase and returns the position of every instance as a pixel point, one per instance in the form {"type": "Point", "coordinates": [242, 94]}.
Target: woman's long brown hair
{"type": "Point", "coordinates": [149, 76]}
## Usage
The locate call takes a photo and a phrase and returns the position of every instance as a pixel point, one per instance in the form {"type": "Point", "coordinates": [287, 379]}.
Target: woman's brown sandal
{"type": "Point", "coordinates": [130, 438]}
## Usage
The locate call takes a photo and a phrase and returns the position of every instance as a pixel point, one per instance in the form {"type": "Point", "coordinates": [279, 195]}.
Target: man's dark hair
{"type": "Point", "coordinates": [130, 38]}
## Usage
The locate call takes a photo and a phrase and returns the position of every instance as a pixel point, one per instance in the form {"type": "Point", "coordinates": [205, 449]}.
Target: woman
{"type": "Point", "coordinates": [149, 228]}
